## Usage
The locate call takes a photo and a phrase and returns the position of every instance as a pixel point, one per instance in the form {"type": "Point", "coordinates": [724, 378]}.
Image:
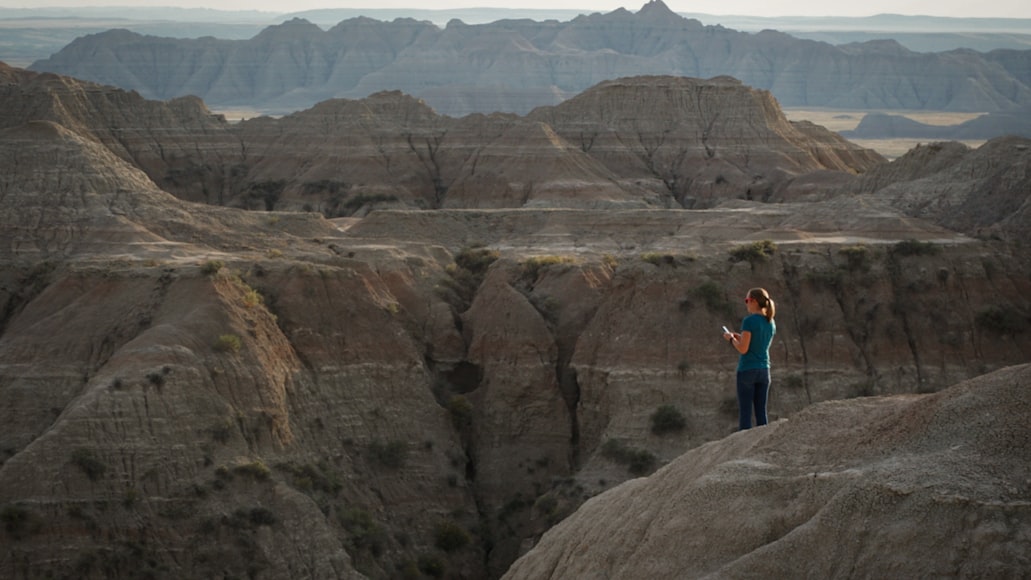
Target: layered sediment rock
{"type": "Point", "coordinates": [840, 490]}
{"type": "Point", "coordinates": [191, 390]}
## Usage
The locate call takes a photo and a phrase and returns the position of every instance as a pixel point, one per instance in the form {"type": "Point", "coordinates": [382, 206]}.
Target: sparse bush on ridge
{"type": "Point", "coordinates": [255, 469]}
{"type": "Point", "coordinates": [533, 265]}
{"type": "Point", "coordinates": [461, 411]}
{"type": "Point", "coordinates": [19, 522]}
{"type": "Point", "coordinates": [753, 253]}
{"type": "Point", "coordinates": [451, 537]}
{"type": "Point", "coordinates": [830, 279]}
{"type": "Point", "coordinates": [251, 518]}
{"type": "Point", "coordinates": [667, 419]}
{"type": "Point", "coordinates": [711, 294]}
{"type": "Point", "coordinates": [637, 461]}
{"type": "Point", "coordinates": [476, 259]}
{"type": "Point", "coordinates": [355, 203]}
{"type": "Point", "coordinates": [309, 477]}
{"type": "Point", "coordinates": [466, 275]}
{"type": "Point", "coordinates": [666, 259]}
{"type": "Point", "coordinates": [252, 298]}
{"type": "Point", "coordinates": [1001, 320]}
{"type": "Point", "coordinates": [390, 454]}
{"type": "Point", "coordinates": [431, 565]}
{"type": "Point", "coordinates": [365, 532]}
{"type": "Point", "coordinates": [857, 257]}
{"type": "Point", "coordinates": [211, 267]}
{"type": "Point", "coordinates": [228, 343]}
{"type": "Point", "coordinates": [916, 248]}
{"type": "Point", "coordinates": [85, 460]}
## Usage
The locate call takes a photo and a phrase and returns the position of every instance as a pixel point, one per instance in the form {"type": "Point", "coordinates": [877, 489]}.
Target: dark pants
{"type": "Point", "coordinates": [753, 386]}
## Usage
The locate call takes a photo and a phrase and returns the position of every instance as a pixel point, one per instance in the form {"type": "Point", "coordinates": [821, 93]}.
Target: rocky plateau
{"type": "Point", "coordinates": [366, 340]}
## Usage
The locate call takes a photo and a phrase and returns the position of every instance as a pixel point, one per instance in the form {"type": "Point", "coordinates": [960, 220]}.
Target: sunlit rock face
{"type": "Point", "coordinates": [843, 489]}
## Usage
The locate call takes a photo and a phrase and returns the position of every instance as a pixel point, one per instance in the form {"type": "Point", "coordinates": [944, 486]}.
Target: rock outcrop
{"type": "Point", "coordinates": [982, 192]}
{"type": "Point", "coordinates": [517, 65]}
{"type": "Point", "coordinates": [907, 486]}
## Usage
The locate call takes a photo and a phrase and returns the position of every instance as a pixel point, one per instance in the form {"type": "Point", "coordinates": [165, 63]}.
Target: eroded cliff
{"type": "Point", "coordinates": [195, 390]}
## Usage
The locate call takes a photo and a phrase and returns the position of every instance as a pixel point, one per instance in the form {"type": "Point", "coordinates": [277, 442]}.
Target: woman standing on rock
{"type": "Point", "coordinates": [753, 367]}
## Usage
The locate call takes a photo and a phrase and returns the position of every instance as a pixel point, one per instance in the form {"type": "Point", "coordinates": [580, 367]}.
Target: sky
{"type": "Point", "coordinates": [954, 8]}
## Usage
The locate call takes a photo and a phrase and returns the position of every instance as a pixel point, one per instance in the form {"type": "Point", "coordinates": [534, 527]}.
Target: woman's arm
{"type": "Point", "coordinates": [741, 341]}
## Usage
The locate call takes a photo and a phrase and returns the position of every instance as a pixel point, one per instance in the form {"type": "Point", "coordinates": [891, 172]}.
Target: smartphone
{"type": "Point", "coordinates": [726, 331]}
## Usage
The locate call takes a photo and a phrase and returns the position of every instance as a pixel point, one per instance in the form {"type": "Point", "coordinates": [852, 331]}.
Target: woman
{"type": "Point", "coordinates": [753, 366]}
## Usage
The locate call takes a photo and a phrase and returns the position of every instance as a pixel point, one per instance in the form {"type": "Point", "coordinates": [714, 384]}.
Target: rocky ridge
{"type": "Point", "coordinates": [774, 502]}
{"type": "Point", "coordinates": [462, 69]}
{"type": "Point", "coordinates": [192, 390]}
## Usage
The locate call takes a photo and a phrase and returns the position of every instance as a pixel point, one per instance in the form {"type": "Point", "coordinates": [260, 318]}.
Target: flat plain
{"type": "Point", "coordinates": [845, 120]}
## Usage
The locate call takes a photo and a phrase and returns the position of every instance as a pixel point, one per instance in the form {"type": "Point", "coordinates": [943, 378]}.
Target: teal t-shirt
{"type": "Point", "coordinates": [758, 355]}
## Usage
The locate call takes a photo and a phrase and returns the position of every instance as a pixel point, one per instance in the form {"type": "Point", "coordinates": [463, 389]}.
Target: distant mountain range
{"type": "Point", "coordinates": [517, 65]}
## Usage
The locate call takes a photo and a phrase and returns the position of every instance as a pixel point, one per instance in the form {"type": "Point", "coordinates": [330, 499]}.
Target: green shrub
{"type": "Point", "coordinates": [637, 461]}
{"type": "Point", "coordinates": [364, 531]}
{"type": "Point", "coordinates": [794, 381]}
{"type": "Point", "coordinates": [754, 253]}
{"type": "Point", "coordinates": [222, 431]}
{"type": "Point", "coordinates": [252, 298]}
{"type": "Point", "coordinates": [256, 470]}
{"type": "Point", "coordinates": [18, 521]}
{"type": "Point", "coordinates": [916, 248]}
{"type": "Point", "coordinates": [390, 454]}
{"type": "Point", "coordinates": [1001, 321]}
{"type": "Point", "coordinates": [451, 537]}
{"type": "Point", "coordinates": [857, 258]}
{"type": "Point", "coordinates": [830, 279]}
{"type": "Point", "coordinates": [546, 505]}
{"type": "Point", "coordinates": [533, 266]}
{"type": "Point", "coordinates": [228, 343]}
{"type": "Point", "coordinates": [252, 518]}
{"type": "Point", "coordinates": [212, 267]}
{"type": "Point", "coordinates": [659, 259]}
{"type": "Point", "coordinates": [431, 565]}
{"type": "Point", "coordinates": [465, 276]}
{"type": "Point", "coordinates": [667, 419]}
{"type": "Point", "coordinates": [476, 259]}
{"type": "Point", "coordinates": [85, 460]}
{"type": "Point", "coordinates": [309, 477]}
{"type": "Point", "coordinates": [357, 202]}
{"type": "Point", "coordinates": [729, 406]}
{"type": "Point", "coordinates": [712, 295]}
{"type": "Point", "coordinates": [461, 411]}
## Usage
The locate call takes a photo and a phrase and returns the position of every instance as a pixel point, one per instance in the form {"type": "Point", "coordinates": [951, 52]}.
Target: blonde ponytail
{"type": "Point", "coordinates": [762, 298]}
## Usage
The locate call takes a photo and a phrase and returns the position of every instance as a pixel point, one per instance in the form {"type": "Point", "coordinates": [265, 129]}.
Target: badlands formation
{"type": "Point", "coordinates": [368, 341]}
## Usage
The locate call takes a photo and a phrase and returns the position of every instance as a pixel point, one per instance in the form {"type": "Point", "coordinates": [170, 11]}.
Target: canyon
{"type": "Point", "coordinates": [517, 64]}
{"type": "Point", "coordinates": [366, 340]}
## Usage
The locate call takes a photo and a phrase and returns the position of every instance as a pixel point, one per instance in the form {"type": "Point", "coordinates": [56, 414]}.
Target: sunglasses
{"type": "Point", "coordinates": [747, 300]}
